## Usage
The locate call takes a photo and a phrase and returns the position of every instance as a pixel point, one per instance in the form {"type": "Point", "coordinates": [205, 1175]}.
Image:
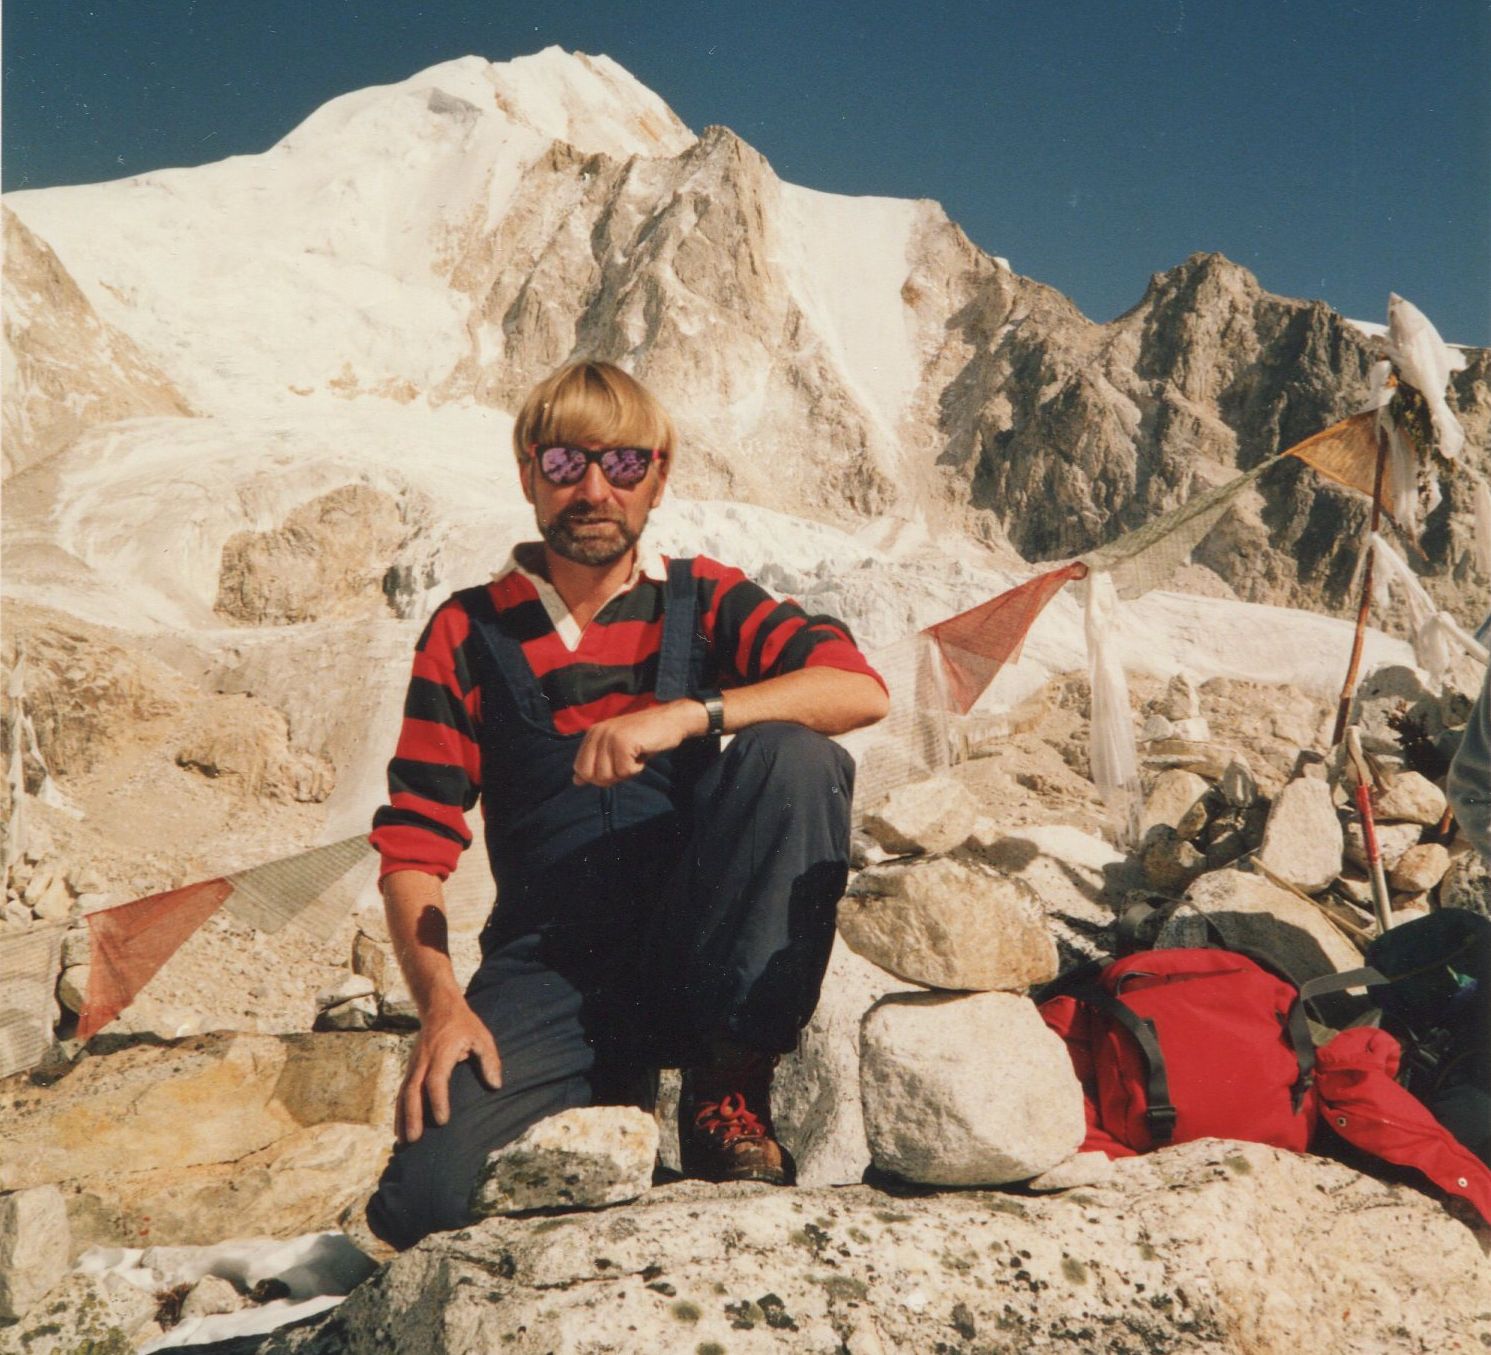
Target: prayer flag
{"type": "Point", "coordinates": [976, 644]}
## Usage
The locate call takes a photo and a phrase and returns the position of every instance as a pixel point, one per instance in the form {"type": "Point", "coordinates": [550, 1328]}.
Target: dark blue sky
{"type": "Point", "coordinates": [1339, 150]}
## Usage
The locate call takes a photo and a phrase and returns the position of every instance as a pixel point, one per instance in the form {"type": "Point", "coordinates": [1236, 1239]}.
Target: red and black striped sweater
{"type": "Point", "coordinates": [609, 669]}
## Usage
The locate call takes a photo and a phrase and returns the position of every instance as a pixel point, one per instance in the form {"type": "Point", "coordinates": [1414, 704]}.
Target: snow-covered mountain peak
{"type": "Point", "coordinates": [588, 101]}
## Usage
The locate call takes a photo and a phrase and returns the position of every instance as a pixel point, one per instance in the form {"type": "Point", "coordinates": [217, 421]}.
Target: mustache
{"type": "Point", "coordinates": [582, 512]}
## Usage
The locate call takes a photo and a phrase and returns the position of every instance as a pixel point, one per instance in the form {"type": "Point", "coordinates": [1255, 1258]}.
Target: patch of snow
{"type": "Point", "coordinates": [319, 1269]}
{"type": "Point", "coordinates": [846, 260]}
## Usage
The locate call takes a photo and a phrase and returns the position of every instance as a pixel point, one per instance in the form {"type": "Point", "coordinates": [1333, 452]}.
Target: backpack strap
{"type": "Point", "coordinates": [1161, 1114]}
{"type": "Point", "coordinates": [1325, 984]}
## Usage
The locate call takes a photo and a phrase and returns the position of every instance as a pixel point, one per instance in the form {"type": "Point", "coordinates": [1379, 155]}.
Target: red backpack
{"type": "Point", "coordinates": [1174, 1045]}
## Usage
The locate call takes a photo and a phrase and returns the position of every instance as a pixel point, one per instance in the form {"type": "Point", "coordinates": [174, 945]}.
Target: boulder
{"type": "Point", "coordinates": [372, 957]}
{"type": "Point", "coordinates": [1386, 694]}
{"type": "Point", "coordinates": [1253, 914]}
{"type": "Point", "coordinates": [77, 947]}
{"type": "Point", "coordinates": [72, 987]}
{"type": "Point", "coordinates": [815, 1098]}
{"type": "Point", "coordinates": [584, 1158]}
{"type": "Point", "coordinates": [1302, 840]}
{"type": "Point", "coordinates": [350, 987]}
{"type": "Point", "coordinates": [1156, 726]}
{"type": "Point", "coordinates": [1237, 786]}
{"type": "Point", "coordinates": [34, 1247]}
{"type": "Point", "coordinates": [1181, 700]}
{"type": "Point", "coordinates": [1079, 878]}
{"type": "Point", "coordinates": [1409, 798]}
{"type": "Point", "coordinates": [1170, 863]}
{"type": "Point", "coordinates": [1467, 883]}
{"type": "Point", "coordinates": [397, 1010]}
{"type": "Point", "coordinates": [1081, 1169]}
{"type": "Point", "coordinates": [87, 1315]}
{"type": "Point", "coordinates": [241, 738]}
{"type": "Point", "coordinates": [1205, 759]}
{"type": "Point", "coordinates": [1195, 730]}
{"type": "Point", "coordinates": [949, 922]}
{"type": "Point", "coordinates": [210, 1296]}
{"type": "Point", "coordinates": [223, 1134]}
{"type": "Point", "coordinates": [51, 902]}
{"type": "Point", "coordinates": [934, 815]}
{"type": "Point", "coordinates": [966, 1090]}
{"type": "Point", "coordinates": [1207, 1247]}
{"type": "Point", "coordinates": [1178, 800]}
{"type": "Point", "coordinates": [358, 1013]}
{"type": "Point", "coordinates": [1420, 868]}
{"type": "Point", "coordinates": [1393, 839]}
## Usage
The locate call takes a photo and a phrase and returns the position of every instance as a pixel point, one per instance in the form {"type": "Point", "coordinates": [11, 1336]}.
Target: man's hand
{"type": "Point", "coordinates": [616, 749]}
{"type": "Point", "coordinates": [448, 1035]}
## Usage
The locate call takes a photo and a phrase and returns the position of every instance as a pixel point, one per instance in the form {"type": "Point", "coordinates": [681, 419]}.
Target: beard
{"type": "Point", "coordinates": [588, 537]}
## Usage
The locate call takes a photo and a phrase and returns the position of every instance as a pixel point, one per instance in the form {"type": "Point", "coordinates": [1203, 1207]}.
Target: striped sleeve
{"type": "Point", "coordinates": [754, 636]}
{"type": "Point", "coordinates": [435, 773]}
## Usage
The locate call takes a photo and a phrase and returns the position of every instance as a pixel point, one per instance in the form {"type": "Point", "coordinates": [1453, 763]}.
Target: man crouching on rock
{"type": "Point", "coordinates": [661, 902]}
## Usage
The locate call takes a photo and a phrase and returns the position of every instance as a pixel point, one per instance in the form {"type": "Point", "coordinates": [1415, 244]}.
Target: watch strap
{"type": "Point", "coordinates": [714, 708]}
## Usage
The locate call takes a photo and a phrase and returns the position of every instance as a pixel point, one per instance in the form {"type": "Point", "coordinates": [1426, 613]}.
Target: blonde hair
{"type": "Point", "coordinates": [592, 402]}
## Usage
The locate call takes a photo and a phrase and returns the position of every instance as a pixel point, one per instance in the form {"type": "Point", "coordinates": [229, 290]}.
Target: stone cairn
{"type": "Point", "coordinates": [1205, 814]}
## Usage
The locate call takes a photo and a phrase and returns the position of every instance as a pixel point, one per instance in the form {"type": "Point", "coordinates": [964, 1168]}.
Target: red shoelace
{"type": "Point", "coordinates": [729, 1119]}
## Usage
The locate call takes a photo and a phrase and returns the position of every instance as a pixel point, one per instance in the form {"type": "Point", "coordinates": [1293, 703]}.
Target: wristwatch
{"type": "Point", "coordinates": [714, 707]}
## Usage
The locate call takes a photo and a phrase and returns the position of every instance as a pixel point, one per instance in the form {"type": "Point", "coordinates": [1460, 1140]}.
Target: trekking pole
{"type": "Point", "coordinates": [1381, 902]}
{"type": "Point", "coordinates": [1343, 707]}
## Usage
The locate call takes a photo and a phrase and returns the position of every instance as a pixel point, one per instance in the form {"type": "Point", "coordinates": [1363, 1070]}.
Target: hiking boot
{"type": "Point", "coordinates": [725, 1131]}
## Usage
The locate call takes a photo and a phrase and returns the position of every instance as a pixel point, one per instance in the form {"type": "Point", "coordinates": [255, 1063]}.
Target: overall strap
{"type": "Point", "coordinates": [680, 610]}
{"type": "Point", "coordinates": [505, 652]}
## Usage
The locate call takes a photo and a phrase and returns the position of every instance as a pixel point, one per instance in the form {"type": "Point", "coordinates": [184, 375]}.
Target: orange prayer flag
{"type": "Point", "coordinates": [130, 943]}
{"type": "Point", "coordinates": [976, 644]}
{"type": "Point", "coordinates": [1346, 452]}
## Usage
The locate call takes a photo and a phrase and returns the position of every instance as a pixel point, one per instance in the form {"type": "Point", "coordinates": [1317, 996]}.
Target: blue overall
{"type": "Point", "coordinates": [635, 922]}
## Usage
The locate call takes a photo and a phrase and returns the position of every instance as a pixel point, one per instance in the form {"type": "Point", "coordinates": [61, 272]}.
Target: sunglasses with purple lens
{"type": "Point", "coordinates": [624, 467]}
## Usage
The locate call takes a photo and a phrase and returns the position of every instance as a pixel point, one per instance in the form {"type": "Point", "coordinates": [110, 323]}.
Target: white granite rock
{"type": "Point", "coordinates": [1170, 863]}
{"type": "Point", "coordinates": [1381, 694]}
{"type": "Point", "coordinates": [77, 947]}
{"type": "Point", "coordinates": [210, 1296]}
{"type": "Point", "coordinates": [52, 903]}
{"type": "Point", "coordinates": [1393, 839]}
{"type": "Point", "coordinates": [928, 816]}
{"type": "Point", "coordinates": [1253, 914]}
{"type": "Point", "coordinates": [1181, 700]}
{"type": "Point", "coordinates": [949, 922]}
{"type": "Point", "coordinates": [397, 1010]}
{"type": "Point", "coordinates": [1237, 785]}
{"type": "Point", "coordinates": [966, 1090]}
{"type": "Point", "coordinates": [34, 1244]}
{"type": "Point", "coordinates": [815, 1098]}
{"type": "Point", "coordinates": [1467, 883]}
{"type": "Point", "coordinates": [353, 985]}
{"type": "Point", "coordinates": [1157, 726]}
{"type": "Point", "coordinates": [358, 1013]}
{"type": "Point", "coordinates": [1409, 798]}
{"type": "Point", "coordinates": [1081, 1169]}
{"type": "Point", "coordinates": [578, 1159]}
{"type": "Point", "coordinates": [72, 987]}
{"type": "Point", "coordinates": [1177, 800]}
{"type": "Point", "coordinates": [1420, 868]}
{"type": "Point", "coordinates": [1206, 1248]}
{"type": "Point", "coordinates": [1302, 841]}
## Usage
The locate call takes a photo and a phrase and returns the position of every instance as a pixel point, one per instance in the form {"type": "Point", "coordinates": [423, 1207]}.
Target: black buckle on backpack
{"type": "Point", "coordinates": [1161, 1122]}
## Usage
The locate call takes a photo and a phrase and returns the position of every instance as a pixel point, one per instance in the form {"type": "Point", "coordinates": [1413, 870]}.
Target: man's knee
{"type": "Point", "coordinates": [421, 1192]}
{"type": "Point", "coordinates": [796, 754]}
